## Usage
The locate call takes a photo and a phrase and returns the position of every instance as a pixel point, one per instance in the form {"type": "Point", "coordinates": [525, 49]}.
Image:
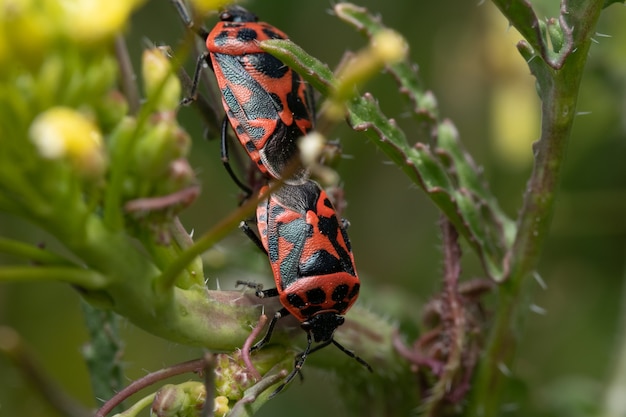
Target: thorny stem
{"type": "Point", "coordinates": [253, 393]}
{"type": "Point", "coordinates": [245, 350]}
{"type": "Point", "coordinates": [559, 92]}
{"type": "Point", "coordinates": [218, 232]}
{"type": "Point", "coordinates": [103, 352]}
{"type": "Point", "coordinates": [154, 377]}
{"type": "Point", "coordinates": [451, 255]}
{"type": "Point", "coordinates": [415, 357]}
{"type": "Point", "coordinates": [453, 319]}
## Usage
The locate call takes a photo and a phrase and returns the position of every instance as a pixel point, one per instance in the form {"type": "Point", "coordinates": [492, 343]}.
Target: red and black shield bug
{"type": "Point", "coordinates": [312, 262]}
{"type": "Point", "coordinates": [268, 105]}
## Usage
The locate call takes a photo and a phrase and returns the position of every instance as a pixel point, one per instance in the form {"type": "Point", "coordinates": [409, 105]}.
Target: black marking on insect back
{"type": "Point", "coordinates": [221, 38]}
{"type": "Point", "coordinates": [316, 296]}
{"type": "Point", "coordinates": [320, 263]}
{"type": "Point", "coordinates": [240, 130]}
{"type": "Point", "coordinates": [268, 65]}
{"type": "Point", "coordinates": [328, 227]}
{"type": "Point", "coordinates": [246, 35]}
{"type": "Point", "coordinates": [340, 292]}
{"type": "Point", "coordinates": [295, 300]}
{"type": "Point", "coordinates": [299, 108]}
{"type": "Point", "coordinates": [346, 239]}
{"type": "Point", "coordinates": [250, 146]}
{"type": "Point", "coordinates": [340, 306]}
{"type": "Point", "coordinates": [309, 101]}
{"type": "Point", "coordinates": [269, 31]}
{"type": "Point", "coordinates": [355, 291]}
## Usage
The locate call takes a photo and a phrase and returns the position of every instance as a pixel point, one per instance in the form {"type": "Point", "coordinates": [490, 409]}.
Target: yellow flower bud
{"type": "Point", "coordinates": [93, 21]}
{"type": "Point", "coordinates": [169, 400]}
{"type": "Point", "coordinates": [27, 30]}
{"type": "Point", "coordinates": [159, 78]}
{"type": "Point", "coordinates": [221, 406]}
{"type": "Point", "coordinates": [386, 47]}
{"type": "Point", "coordinates": [64, 133]}
{"type": "Point", "coordinates": [389, 46]}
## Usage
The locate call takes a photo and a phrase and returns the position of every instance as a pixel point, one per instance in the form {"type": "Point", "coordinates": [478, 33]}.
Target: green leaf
{"type": "Point", "coordinates": [446, 173]}
{"type": "Point", "coordinates": [470, 205]}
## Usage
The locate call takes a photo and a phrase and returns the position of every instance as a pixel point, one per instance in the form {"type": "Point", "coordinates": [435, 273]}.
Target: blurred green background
{"type": "Point", "coordinates": [467, 57]}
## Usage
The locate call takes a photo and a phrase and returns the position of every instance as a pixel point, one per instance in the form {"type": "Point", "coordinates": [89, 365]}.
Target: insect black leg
{"type": "Point", "coordinates": [203, 59]}
{"type": "Point", "coordinates": [277, 316]}
{"type": "Point", "coordinates": [253, 236]}
{"type": "Point", "coordinates": [226, 159]}
{"type": "Point", "coordinates": [259, 291]}
{"type": "Point", "coordinates": [300, 359]}
{"type": "Point", "coordinates": [187, 20]}
{"type": "Point", "coordinates": [349, 353]}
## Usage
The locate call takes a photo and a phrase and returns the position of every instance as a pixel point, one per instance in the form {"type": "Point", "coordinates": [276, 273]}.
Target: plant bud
{"type": "Point", "coordinates": [64, 133]}
{"type": "Point", "coordinates": [160, 81]}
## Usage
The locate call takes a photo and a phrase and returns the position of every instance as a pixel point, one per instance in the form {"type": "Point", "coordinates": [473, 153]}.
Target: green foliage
{"type": "Point", "coordinates": [106, 175]}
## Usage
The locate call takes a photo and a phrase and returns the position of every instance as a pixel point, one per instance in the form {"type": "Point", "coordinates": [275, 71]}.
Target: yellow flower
{"type": "Point", "coordinates": [26, 30]}
{"type": "Point", "coordinates": [93, 21]}
{"type": "Point", "coordinates": [386, 47]}
{"type": "Point", "coordinates": [64, 133]}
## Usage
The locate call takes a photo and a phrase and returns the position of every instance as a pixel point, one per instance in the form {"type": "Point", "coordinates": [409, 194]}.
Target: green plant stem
{"type": "Point", "coordinates": [150, 379]}
{"type": "Point", "coordinates": [218, 232]}
{"type": "Point", "coordinates": [559, 92]}
{"type": "Point", "coordinates": [103, 353]}
{"type": "Point", "coordinates": [31, 253]}
{"type": "Point", "coordinates": [82, 277]}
